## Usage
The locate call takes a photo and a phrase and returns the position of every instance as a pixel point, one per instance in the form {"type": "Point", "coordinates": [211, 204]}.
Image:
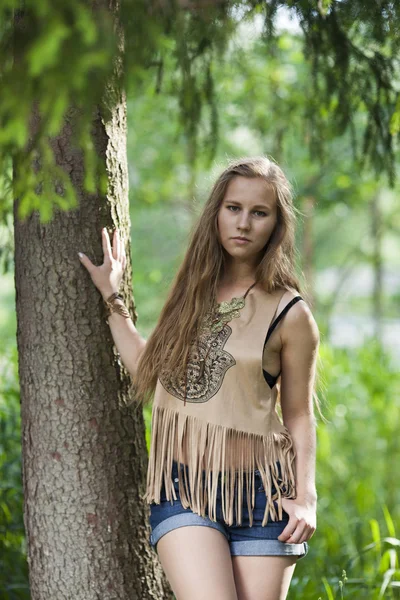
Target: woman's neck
{"type": "Point", "coordinates": [238, 273]}
{"type": "Point", "coordinates": [237, 282]}
{"type": "Point", "coordinates": [228, 291]}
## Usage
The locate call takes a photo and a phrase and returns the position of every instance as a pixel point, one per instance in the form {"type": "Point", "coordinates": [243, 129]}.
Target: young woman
{"type": "Point", "coordinates": [231, 485]}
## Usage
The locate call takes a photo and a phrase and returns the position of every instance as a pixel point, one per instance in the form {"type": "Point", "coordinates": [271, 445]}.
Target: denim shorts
{"type": "Point", "coordinates": [243, 540]}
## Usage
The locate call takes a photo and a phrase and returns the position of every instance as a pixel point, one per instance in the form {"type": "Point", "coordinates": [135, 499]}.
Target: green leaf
{"type": "Point", "coordinates": [44, 52]}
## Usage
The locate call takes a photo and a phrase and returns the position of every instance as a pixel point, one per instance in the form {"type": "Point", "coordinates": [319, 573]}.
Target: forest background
{"type": "Point", "coordinates": [348, 258]}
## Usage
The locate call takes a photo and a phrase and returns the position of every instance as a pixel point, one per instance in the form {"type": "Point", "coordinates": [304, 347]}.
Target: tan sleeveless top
{"type": "Point", "coordinates": [224, 421]}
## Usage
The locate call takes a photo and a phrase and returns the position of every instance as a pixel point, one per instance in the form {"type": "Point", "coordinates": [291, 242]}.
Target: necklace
{"type": "Point", "coordinates": [225, 311]}
{"type": "Point", "coordinates": [215, 321]}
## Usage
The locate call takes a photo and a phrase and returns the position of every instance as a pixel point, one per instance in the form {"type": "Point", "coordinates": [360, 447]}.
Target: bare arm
{"type": "Point", "coordinates": [107, 278]}
{"type": "Point", "coordinates": [300, 340]}
{"type": "Point", "coordinates": [127, 339]}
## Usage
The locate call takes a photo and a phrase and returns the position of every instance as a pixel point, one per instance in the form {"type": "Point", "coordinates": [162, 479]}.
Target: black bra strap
{"type": "Point", "coordinates": [280, 316]}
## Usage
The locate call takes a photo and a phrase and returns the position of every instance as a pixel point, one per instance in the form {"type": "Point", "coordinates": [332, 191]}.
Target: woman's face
{"type": "Point", "coordinates": [248, 210]}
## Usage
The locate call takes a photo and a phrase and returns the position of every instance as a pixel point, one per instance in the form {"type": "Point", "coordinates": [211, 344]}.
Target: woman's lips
{"type": "Point", "coordinates": [241, 240]}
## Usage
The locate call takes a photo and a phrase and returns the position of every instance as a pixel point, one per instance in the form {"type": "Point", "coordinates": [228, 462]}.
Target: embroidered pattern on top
{"type": "Point", "coordinates": [207, 366]}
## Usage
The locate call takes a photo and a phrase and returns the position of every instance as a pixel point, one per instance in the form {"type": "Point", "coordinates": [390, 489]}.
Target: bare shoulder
{"type": "Point", "coordinates": [299, 321]}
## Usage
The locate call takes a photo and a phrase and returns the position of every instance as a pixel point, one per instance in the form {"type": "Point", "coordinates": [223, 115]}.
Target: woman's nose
{"type": "Point", "coordinates": [243, 220]}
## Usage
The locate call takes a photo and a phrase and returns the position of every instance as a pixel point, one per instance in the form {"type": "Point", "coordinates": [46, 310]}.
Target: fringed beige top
{"type": "Point", "coordinates": [223, 419]}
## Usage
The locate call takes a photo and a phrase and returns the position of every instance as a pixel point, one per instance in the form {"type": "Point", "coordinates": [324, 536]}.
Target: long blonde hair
{"type": "Point", "coordinates": [193, 290]}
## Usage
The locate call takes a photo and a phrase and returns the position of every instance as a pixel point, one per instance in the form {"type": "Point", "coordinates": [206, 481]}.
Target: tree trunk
{"type": "Point", "coordinates": [83, 450]}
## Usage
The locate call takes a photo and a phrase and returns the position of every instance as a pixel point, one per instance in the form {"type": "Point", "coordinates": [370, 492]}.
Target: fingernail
{"type": "Point", "coordinates": [80, 254]}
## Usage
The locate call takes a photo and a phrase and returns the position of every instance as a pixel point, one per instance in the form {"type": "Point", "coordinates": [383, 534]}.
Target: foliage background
{"type": "Point", "coordinates": [358, 455]}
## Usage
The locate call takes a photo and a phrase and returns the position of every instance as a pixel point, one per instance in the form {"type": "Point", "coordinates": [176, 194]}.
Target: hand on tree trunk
{"type": "Point", "coordinates": [108, 276]}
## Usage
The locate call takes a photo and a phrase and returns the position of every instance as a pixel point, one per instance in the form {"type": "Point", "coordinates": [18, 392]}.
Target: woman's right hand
{"type": "Point", "coordinates": [108, 276]}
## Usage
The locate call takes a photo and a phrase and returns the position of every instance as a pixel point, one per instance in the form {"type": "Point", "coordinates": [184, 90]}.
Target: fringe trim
{"type": "Point", "coordinates": [218, 451]}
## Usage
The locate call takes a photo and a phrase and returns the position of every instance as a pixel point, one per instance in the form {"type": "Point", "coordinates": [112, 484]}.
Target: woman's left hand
{"type": "Point", "coordinates": [302, 520]}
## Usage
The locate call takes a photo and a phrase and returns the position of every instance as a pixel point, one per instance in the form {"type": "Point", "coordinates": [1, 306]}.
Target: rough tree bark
{"type": "Point", "coordinates": [84, 451]}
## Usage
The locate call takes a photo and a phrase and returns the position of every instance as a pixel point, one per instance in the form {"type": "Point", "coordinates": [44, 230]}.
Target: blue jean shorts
{"type": "Point", "coordinates": [243, 540]}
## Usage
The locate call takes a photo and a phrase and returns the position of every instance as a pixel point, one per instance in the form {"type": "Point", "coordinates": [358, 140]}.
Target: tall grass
{"type": "Point", "coordinates": [354, 551]}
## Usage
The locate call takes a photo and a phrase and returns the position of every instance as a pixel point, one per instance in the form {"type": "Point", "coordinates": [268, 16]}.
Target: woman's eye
{"type": "Point", "coordinates": [260, 212]}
